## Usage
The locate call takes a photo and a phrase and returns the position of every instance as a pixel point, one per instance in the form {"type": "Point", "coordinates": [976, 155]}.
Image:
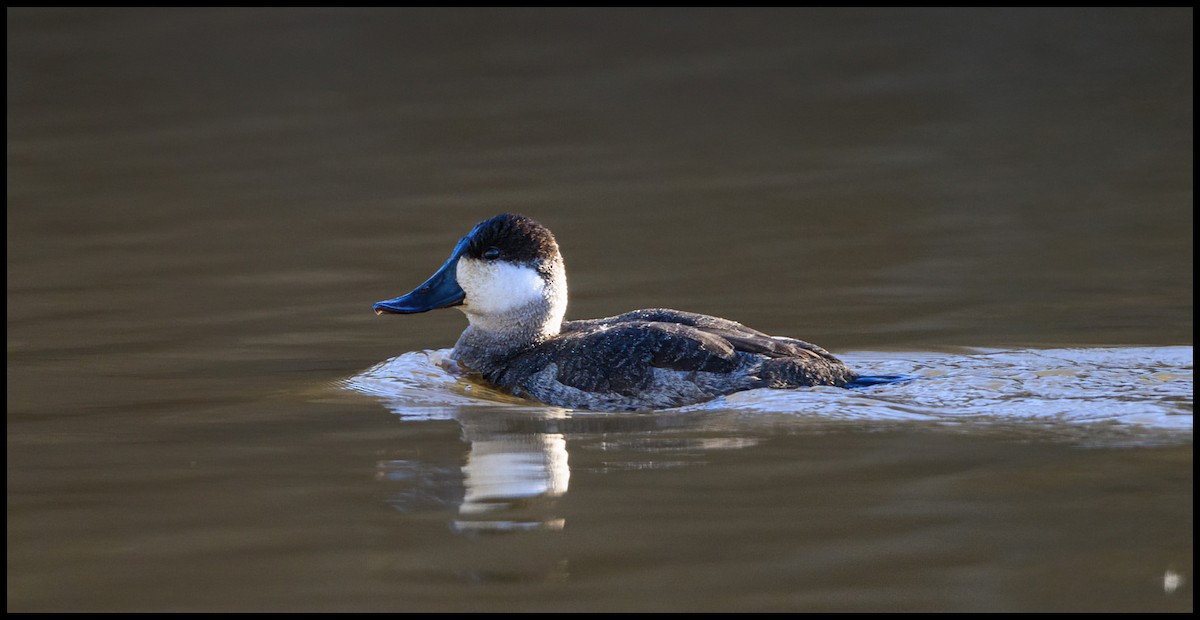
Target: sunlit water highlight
{"type": "Point", "coordinates": [1143, 387]}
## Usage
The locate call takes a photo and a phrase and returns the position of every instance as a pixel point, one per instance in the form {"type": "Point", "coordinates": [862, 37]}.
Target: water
{"type": "Point", "coordinates": [204, 413]}
{"type": "Point", "coordinates": [518, 468]}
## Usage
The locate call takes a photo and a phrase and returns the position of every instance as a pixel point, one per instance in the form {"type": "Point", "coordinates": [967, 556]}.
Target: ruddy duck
{"type": "Point", "coordinates": [508, 277]}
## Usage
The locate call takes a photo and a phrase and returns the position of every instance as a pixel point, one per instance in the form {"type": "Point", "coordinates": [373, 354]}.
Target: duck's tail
{"type": "Point", "coordinates": [864, 381]}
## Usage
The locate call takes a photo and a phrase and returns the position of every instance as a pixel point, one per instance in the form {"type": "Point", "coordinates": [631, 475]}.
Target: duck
{"type": "Point", "coordinates": [507, 275]}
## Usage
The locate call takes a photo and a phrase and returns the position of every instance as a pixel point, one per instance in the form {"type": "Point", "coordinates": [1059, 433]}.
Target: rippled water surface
{"type": "Point", "coordinates": [205, 415]}
{"type": "Point", "coordinates": [1139, 388]}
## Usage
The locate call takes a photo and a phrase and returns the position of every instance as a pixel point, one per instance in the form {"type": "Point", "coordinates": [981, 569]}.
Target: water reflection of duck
{"type": "Point", "coordinates": [508, 277]}
{"type": "Point", "coordinates": [512, 481]}
{"type": "Point", "coordinates": [514, 472]}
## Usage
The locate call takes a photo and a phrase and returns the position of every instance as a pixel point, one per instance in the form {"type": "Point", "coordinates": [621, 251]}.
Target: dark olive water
{"type": "Point", "coordinates": [203, 204]}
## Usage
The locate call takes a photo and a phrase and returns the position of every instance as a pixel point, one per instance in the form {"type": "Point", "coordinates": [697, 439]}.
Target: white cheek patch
{"type": "Point", "coordinates": [495, 287]}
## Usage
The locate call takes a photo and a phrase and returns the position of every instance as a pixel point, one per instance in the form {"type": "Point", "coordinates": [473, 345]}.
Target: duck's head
{"type": "Point", "coordinates": [506, 275]}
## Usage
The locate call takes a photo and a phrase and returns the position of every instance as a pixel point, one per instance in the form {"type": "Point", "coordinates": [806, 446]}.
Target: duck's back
{"type": "Point", "coordinates": [661, 358]}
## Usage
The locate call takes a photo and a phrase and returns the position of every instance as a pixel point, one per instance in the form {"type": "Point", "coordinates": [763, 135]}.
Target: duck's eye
{"type": "Point", "coordinates": [491, 254]}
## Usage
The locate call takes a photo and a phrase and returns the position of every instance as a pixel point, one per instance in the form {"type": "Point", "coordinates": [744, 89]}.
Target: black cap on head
{"type": "Point", "coordinates": [517, 239]}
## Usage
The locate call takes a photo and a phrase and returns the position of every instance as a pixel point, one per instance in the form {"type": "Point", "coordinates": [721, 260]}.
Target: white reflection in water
{"type": "Point", "coordinates": [501, 469]}
{"type": "Point", "coordinates": [1171, 581]}
{"type": "Point", "coordinates": [511, 481]}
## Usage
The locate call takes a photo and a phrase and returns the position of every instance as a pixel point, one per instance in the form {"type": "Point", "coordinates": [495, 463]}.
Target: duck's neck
{"type": "Point", "coordinates": [493, 337]}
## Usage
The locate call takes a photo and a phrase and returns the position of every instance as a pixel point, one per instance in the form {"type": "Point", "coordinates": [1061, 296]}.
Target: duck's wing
{"type": "Point", "coordinates": [738, 336]}
{"type": "Point", "coordinates": [663, 315]}
{"type": "Point", "coordinates": [620, 357]}
{"type": "Point", "coordinates": [636, 364]}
